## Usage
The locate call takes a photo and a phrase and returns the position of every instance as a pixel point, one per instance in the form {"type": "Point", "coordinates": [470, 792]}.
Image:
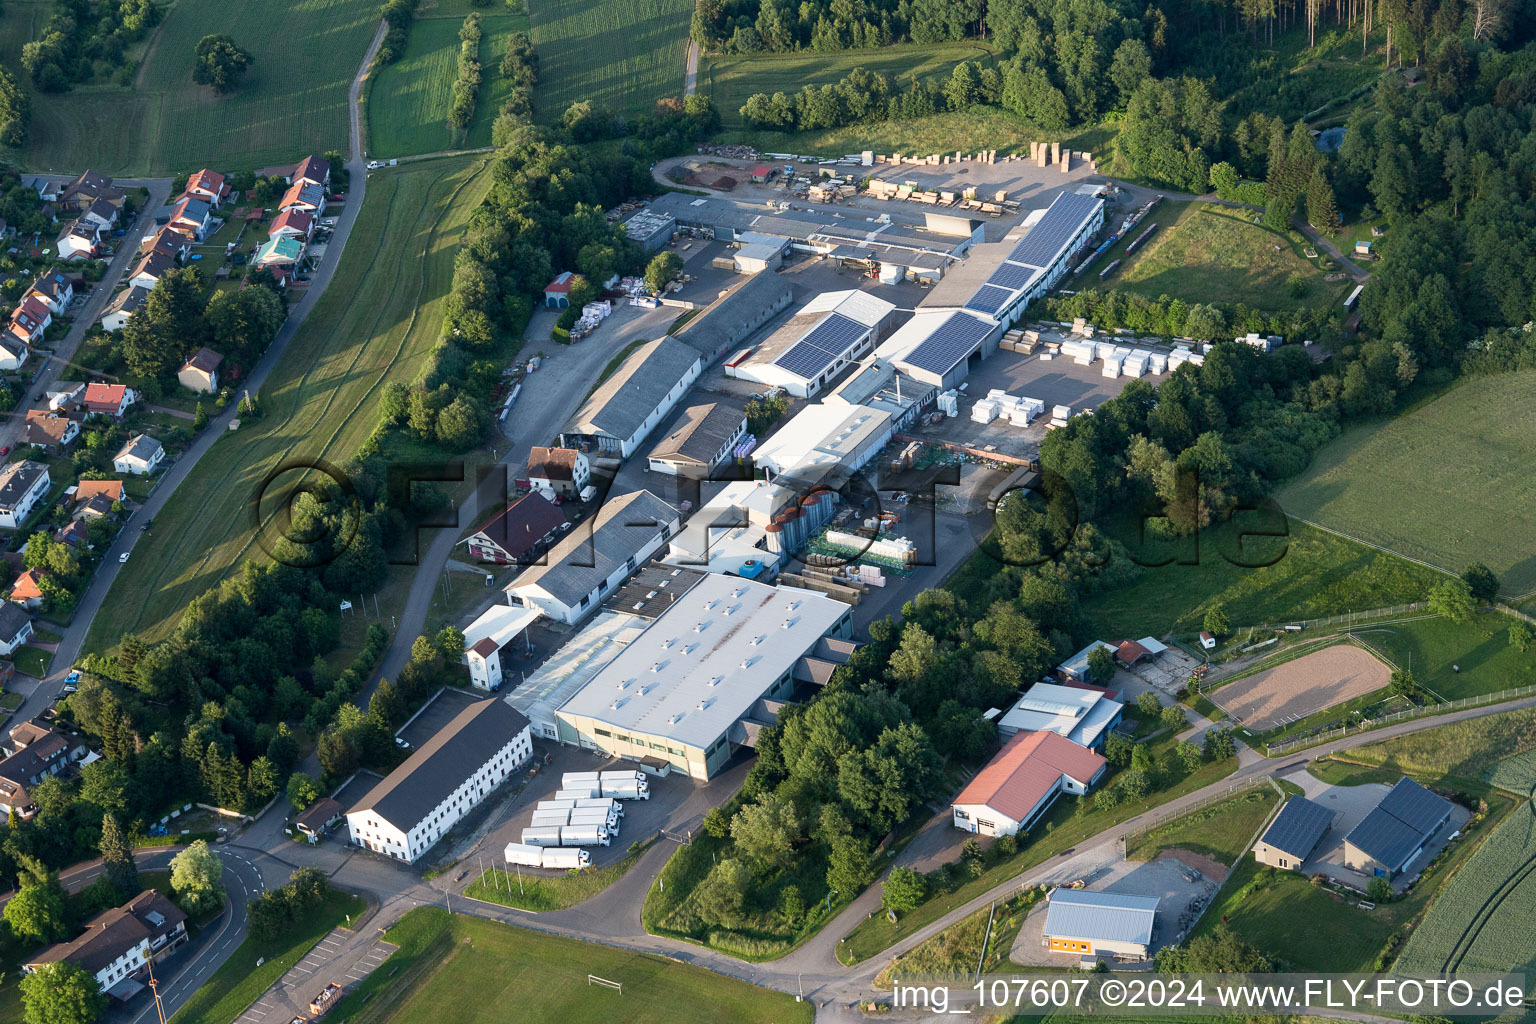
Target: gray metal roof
{"type": "Point", "coordinates": [585, 557]}
{"type": "Point", "coordinates": [1406, 817]}
{"type": "Point", "coordinates": [440, 765]}
{"type": "Point", "coordinates": [1298, 827]}
{"type": "Point", "coordinates": [622, 402]}
{"type": "Point", "coordinates": [732, 319]}
{"type": "Point", "coordinates": [17, 479]}
{"type": "Point", "coordinates": [700, 432]}
{"type": "Point", "coordinates": [1105, 916]}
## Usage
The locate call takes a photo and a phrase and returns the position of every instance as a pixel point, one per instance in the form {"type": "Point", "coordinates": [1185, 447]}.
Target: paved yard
{"type": "Point", "coordinates": [1351, 804]}
{"type": "Point", "coordinates": [344, 957]}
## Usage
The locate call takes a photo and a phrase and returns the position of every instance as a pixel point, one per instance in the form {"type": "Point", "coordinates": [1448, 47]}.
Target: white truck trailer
{"type": "Point", "coordinates": [583, 835]}
{"type": "Point", "coordinates": [548, 836]}
{"type": "Point", "coordinates": [566, 857]}
{"type": "Point", "coordinates": [626, 789]}
{"type": "Point", "coordinates": [551, 819]}
{"type": "Point", "coordinates": [606, 802]}
{"type": "Point", "coordinates": [577, 780]}
{"type": "Point", "coordinates": [595, 816]}
{"type": "Point", "coordinates": [583, 792]}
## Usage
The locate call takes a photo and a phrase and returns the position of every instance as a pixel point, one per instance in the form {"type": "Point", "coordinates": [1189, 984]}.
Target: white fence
{"type": "Point", "coordinates": [1199, 805]}
{"type": "Point", "coordinates": [1337, 732]}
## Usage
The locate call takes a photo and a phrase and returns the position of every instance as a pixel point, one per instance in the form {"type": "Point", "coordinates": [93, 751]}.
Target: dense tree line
{"type": "Point", "coordinates": [466, 86]}
{"type": "Point", "coordinates": [176, 321]}
{"type": "Point", "coordinates": [520, 67]}
{"type": "Point", "coordinates": [397, 15]}
{"type": "Point", "coordinates": [15, 110]}
{"type": "Point", "coordinates": [85, 39]}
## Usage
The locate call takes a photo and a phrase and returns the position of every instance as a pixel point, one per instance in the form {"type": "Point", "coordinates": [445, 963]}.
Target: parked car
{"type": "Point", "coordinates": [4, 451]}
{"type": "Point", "coordinates": [122, 558]}
{"type": "Point", "coordinates": [195, 257]}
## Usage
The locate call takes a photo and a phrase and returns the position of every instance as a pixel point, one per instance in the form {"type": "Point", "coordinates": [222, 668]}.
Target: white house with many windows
{"type": "Point", "coordinates": [404, 815]}
{"type": "Point", "coordinates": [118, 945]}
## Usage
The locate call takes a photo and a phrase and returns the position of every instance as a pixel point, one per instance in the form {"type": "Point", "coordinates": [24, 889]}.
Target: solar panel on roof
{"type": "Point", "coordinates": [1012, 275]}
{"type": "Point", "coordinates": [949, 343]}
{"type": "Point", "coordinates": [989, 298]}
{"type": "Point", "coordinates": [821, 346]}
{"type": "Point", "coordinates": [1046, 238]}
{"type": "Point", "coordinates": [805, 360]}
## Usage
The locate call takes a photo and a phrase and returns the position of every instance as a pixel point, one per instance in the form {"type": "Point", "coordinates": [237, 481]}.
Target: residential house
{"type": "Point", "coordinates": [558, 471]}
{"type": "Point", "coordinates": [519, 533]}
{"type": "Point", "coordinates": [55, 288]}
{"type": "Point", "coordinates": [141, 456]}
{"type": "Point", "coordinates": [108, 400]}
{"type": "Point", "coordinates": [306, 197]}
{"type": "Point", "coordinates": [15, 627]}
{"type": "Point", "coordinates": [1018, 785]}
{"type": "Point", "coordinates": [27, 591]}
{"type": "Point", "coordinates": [208, 186]}
{"type": "Point", "coordinates": [165, 242]}
{"type": "Point", "coordinates": [201, 372]}
{"type": "Point", "coordinates": [30, 319]}
{"type": "Point", "coordinates": [311, 170]}
{"type": "Point", "coordinates": [102, 214]}
{"type": "Point", "coordinates": [112, 490]}
{"type": "Point", "coordinates": [279, 253]}
{"type": "Point", "coordinates": [79, 194]}
{"type": "Point", "coordinates": [13, 352]}
{"type": "Point", "coordinates": [151, 268]}
{"type": "Point", "coordinates": [293, 223]}
{"type": "Point", "coordinates": [22, 771]}
{"type": "Point", "coordinates": [22, 486]}
{"type": "Point", "coordinates": [119, 945]}
{"type": "Point", "coordinates": [48, 429]}
{"type": "Point", "coordinates": [191, 217]}
{"type": "Point", "coordinates": [80, 241]}
{"type": "Point", "coordinates": [75, 534]}
{"type": "Point", "coordinates": [124, 306]}
{"type": "Point", "coordinates": [93, 506]}
{"type": "Point", "coordinates": [557, 294]}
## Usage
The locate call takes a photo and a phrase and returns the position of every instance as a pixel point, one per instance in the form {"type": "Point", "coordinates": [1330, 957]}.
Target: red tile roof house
{"type": "Point", "coordinates": [208, 186]}
{"type": "Point", "coordinates": [25, 591]}
{"type": "Point", "coordinates": [294, 223]}
{"type": "Point", "coordinates": [108, 399]}
{"type": "Point", "coordinates": [191, 217]}
{"type": "Point", "coordinates": [166, 243]}
{"type": "Point", "coordinates": [305, 196]}
{"type": "Point", "coordinates": [313, 170]}
{"type": "Point", "coordinates": [32, 317]}
{"type": "Point", "coordinates": [519, 534]}
{"type": "Point", "coordinates": [1018, 785]}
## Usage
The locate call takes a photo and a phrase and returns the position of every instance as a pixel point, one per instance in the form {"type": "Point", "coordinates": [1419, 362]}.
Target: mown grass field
{"type": "Point", "coordinates": [1454, 660]}
{"type": "Point", "coordinates": [540, 893]}
{"type": "Point", "coordinates": [292, 101]}
{"type": "Point", "coordinates": [1481, 922]}
{"type": "Point", "coordinates": [728, 81]}
{"type": "Point", "coordinates": [1314, 574]}
{"type": "Point", "coordinates": [1449, 482]}
{"type": "Point", "coordinates": [1200, 252]}
{"type": "Point", "coordinates": [408, 101]}
{"type": "Point", "coordinates": [620, 55]}
{"type": "Point", "coordinates": [970, 130]}
{"type": "Point", "coordinates": [1221, 831]}
{"type": "Point", "coordinates": [467, 970]}
{"type": "Point", "coordinates": [378, 321]}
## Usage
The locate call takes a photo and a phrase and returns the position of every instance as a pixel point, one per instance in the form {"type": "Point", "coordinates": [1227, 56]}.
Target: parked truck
{"type": "Point", "coordinates": [595, 816]}
{"type": "Point", "coordinates": [525, 855]}
{"type": "Point", "coordinates": [554, 805]}
{"type": "Point", "coordinates": [544, 836]}
{"type": "Point", "coordinates": [606, 802]}
{"type": "Point", "coordinates": [621, 776]}
{"type": "Point", "coordinates": [626, 789]}
{"type": "Point", "coordinates": [576, 780]}
{"type": "Point", "coordinates": [582, 792]}
{"type": "Point", "coordinates": [583, 835]}
{"type": "Point", "coordinates": [556, 857]}
{"type": "Point", "coordinates": [550, 819]}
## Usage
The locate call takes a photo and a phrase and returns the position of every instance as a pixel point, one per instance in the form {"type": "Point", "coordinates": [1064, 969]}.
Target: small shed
{"type": "Point", "coordinates": [557, 294]}
{"type": "Point", "coordinates": [319, 818]}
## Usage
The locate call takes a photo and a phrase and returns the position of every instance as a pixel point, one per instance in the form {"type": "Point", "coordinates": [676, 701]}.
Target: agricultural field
{"type": "Point", "coordinates": [1515, 774]}
{"type": "Point", "coordinates": [293, 101]}
{"type": "Point", "coordinates": [1481, 922]}
{"type": "Point", "coordinates": [1221, 831]}
{"type": "Point", "coordinates": [728, 81]}
{"type": "Point", "coordinates": [378, 321]}
{"type": "Point", "coordinates": [1313, 574]}
{"type": "Point", "coordinates": [618, 55]}
{"type": "Point", "coordinates": [467, 970]}
{"type": "Point", "coordinates": [1201, 251]}
{"type": "Point", "coordinates": [1448, 482]}
{"type": "Point", "coordinates": [408, 100]}
{"type": "Point", "coordinates": [1461, 750]}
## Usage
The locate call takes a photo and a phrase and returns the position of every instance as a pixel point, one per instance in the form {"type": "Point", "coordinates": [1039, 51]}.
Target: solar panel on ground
{"type": "Point", "coordinates": [1012, 275]}
{"type": "Point", "coordinates": [1053, 230]}
{"type": "Point", "coordinates": [950, 342]}
{"type": "Point", "coordinates": [821, 346]}
{"type": "Point", "coordinates": [989, 298]}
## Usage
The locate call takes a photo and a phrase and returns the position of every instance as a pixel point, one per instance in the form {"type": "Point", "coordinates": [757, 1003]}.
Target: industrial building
{"type": "Point", "coordinates": [650, 230]}
{"type": "Point", "coordinates": [828, 333]}
{"type": "Point", "coordinates": [939, 347]}
{"type": "Point", "coordinates": [498, 627]}
{"type": "Point", "coordinates": [443, 780]}
{"type": "Point", "coordinates": [821, 436]}
{"type": "Point", "coordinates": [1018, 785]}
{"type": "Point", "coordinates": [736, 315]}
{"type": "Point", "coordinates": [750, 527]}
{"type": "Point", "coordinates": [1293, 835]}
{"type": "Point", "coordinates": [591, 560]}
{"type": "Point", "coordinates": [1075, 669]}
{"type": "Point", "coordinates": [518, 533]}
{"type": "Point", "coordinates": [705, 437]}
{"type": "Point", "coordinates": [756, 252]}
{"type": "Point", "coordinates": [878, 385]}
{"type": "Point", "coordinates": [705, 676]}
{"type": "Point", "coordinates": [1084, 716]}
{"type": "Point", "coordinates": [1396, 831]}
{"type": "Point", "coordinates": [624, 408]}
{"type": "Point", "coordinates": [1090, 924]}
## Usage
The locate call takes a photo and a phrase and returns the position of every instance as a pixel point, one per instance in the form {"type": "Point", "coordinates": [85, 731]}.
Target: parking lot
{"type": "Point", "coordinates": [343, 957]}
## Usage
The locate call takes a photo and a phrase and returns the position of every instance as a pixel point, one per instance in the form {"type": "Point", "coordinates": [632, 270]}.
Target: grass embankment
{"type": "Point", "coordinates": [1449, 482]}
{"type": "Point", "coordinates": [377, 322]}
{"type": "Point", "coordinates": [968, 130]}
{"type": "Point", "coordinates": [728, 81]}
{"type": "Point", "coordinates": [1461, 752]}
{"type": "Point", "coordinates": [958, 948]}
{"type": "Point", "coordinates": [1306, 574]}
{"type": "Point", "coordinates": [292, 101]}
{"type": "Point", "coordinates": [1065, 825]}
{"type": "Point", "coordinates": [538, 893]}
{"type": "Point", "coordinates": [1221, 831]}
{"type": "Point", "coordinates": [240, 982]}
{"type": "Point", "coordinates": [619, 55]}
{"type": "Point", "coordinates": [465, 970]}
{"type": "Point", "coordinates": [408, 101]}
{"type": "Point", "coordinates": [1199, 251]}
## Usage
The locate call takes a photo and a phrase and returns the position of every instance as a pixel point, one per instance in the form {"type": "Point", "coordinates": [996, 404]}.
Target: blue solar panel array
{"type": "Point", "coordinates": [989, 298]}
{"type": "Point", "coordinates": [1013, 275]}
{"type": "Point", "coordinates": [1054, 229]}
{"type": "Point", "coordinates": [950, 342]}
{"type": "Point", "coordinates": [821, 347]}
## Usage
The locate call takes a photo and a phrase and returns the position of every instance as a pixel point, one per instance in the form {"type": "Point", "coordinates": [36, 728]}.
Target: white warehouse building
{"type": "Point", "coordinates": [829, 333]}
{"type": "Point", "coordinates": [626, 406]}
{"type": "Point", "coordinates": [446, 777]}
